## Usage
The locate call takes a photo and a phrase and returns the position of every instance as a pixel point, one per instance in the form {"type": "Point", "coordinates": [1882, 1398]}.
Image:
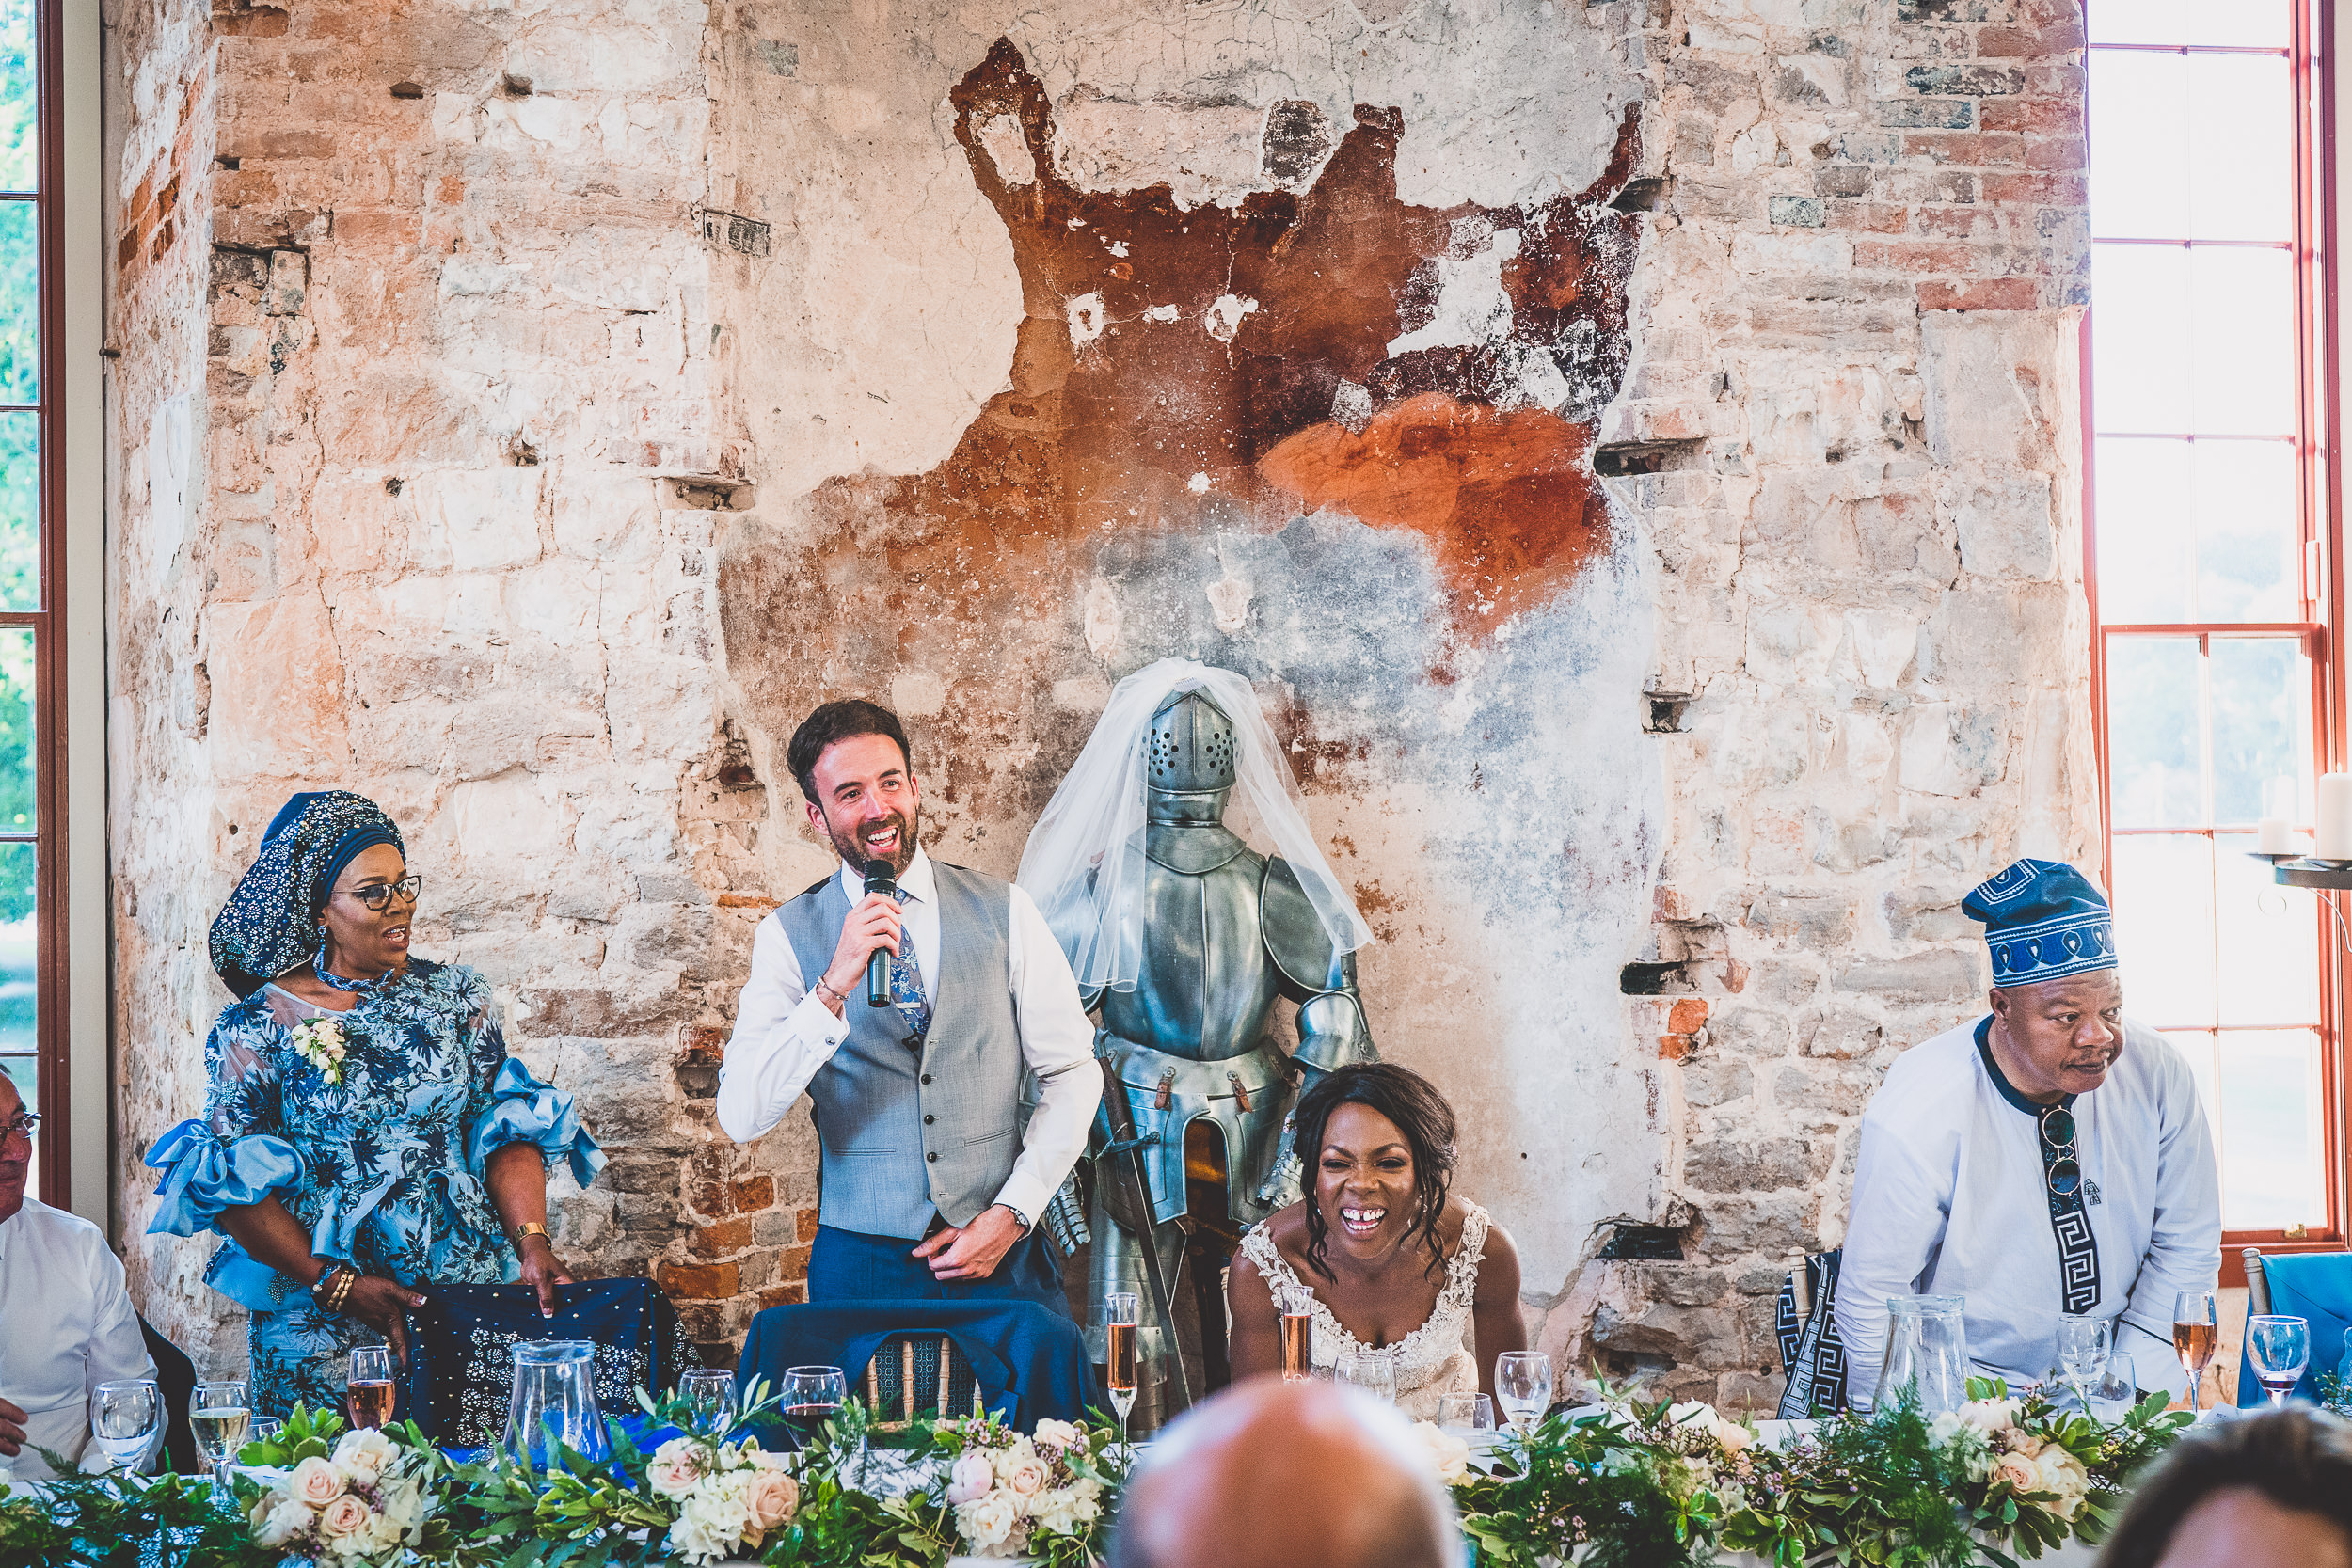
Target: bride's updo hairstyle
{"type": "Point", "coordinates": [1419, 1112]}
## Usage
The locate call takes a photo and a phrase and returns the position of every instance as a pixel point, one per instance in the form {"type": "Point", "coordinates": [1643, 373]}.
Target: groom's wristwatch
{"type": "Point", "coordinates": [1018, 1217]}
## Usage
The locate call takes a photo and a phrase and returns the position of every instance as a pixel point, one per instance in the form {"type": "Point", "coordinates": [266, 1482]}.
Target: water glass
{"type": "Point", "coordinates": [1466, 1413]}
{"type": "Point", "coordinates": [2116, 1389]}
{"type": "Point", "coordinates": [124, 1418]}
{"type": "Point", "coordinates": [1372, 1371]}
{"type": "Point", "coordinates": [1927, 1354]}
{"type": "Point", "coordinates": [2084, 1344]}
{"type": "Point", "coordinates": [218, 1418]}
{"type": "Point", "coordinates": [265, 1429]}
{"type": "Point", "coordinates": [709, 1394]}
{"type": "Point", "coordinates": [554, 1404]}
{"type": "Point", "coordinates": [1523, 1387]}
{"type": "Point", "coordinates": [2280, 1348]}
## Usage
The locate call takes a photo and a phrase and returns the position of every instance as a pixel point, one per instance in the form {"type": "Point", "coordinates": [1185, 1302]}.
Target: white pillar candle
{"type": "Point", "coordinates": [2335, 817]}
{"type": "Point", "coordinates": [2273, 837]}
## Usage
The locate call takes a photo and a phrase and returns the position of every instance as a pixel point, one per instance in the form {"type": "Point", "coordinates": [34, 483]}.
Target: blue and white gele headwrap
{"type": "Point", "coordinates": [2042, 921]}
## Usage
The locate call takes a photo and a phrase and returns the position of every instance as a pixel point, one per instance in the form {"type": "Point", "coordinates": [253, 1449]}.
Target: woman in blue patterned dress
{"type": "Point", "coordinates": [411, 1157]}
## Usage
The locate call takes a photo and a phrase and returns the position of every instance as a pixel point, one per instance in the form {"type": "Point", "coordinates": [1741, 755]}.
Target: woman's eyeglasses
{"type": "Point", "coordinates": [2064, 1171]}
{"type": "Point", "coordinates": [379, 895]}
{"type": "Point", "coordinates": [27, 1123]}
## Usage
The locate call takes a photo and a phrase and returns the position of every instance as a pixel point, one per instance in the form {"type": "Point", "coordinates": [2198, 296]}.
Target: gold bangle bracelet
{"type": "Point", "coordinates": [531, 1228]}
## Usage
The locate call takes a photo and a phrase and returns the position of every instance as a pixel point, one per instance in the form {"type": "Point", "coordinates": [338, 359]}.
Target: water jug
{"type": "Point", "coordinates": [555, 1401]}
{"type": "Point", "coordinates": [1927, 1352]}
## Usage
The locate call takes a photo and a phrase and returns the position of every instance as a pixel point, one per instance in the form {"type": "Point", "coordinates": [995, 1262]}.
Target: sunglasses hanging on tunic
{"type": "Point", "coordinates": [2060, 1167]}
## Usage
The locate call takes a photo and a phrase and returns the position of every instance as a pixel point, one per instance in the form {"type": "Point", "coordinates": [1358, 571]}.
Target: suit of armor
{"type": "Point", "coordinates": [1226, 933]}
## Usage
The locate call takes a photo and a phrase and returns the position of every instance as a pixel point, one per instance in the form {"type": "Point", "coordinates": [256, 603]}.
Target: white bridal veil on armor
{"type": "Point", "coordinates": [1084, 862]}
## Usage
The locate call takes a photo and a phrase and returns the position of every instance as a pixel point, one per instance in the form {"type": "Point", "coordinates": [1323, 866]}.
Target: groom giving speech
{"type": "Point", "coordinates": [931, 1186]}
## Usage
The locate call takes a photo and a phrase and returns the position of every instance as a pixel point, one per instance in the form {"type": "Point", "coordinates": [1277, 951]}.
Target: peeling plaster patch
{"type": "Point", "coordinates": [1162, 313]}
{"type": "Point", "coordinates": [782, 59]}
{"type": "Point", "coordinates": [1473, 307]}
{"type": "Point", "coordinates": [1082, 694]}
{"type": "Point", "coordinates": [1224, 317]}
{"type": "Point", "coordinates": [1086, 320]}
{"type": "Point", "coordinates": [1007, 148]}
{"type": "Point", "coordinates": [1198, 485]}
{"type": "Point", "coordinates": [1102, 620]}
{"type": "Point", "coordinates": [920, 693]}
{"type": "Point", "coordinates": [1205, 152]}
{"type": "Point", "coordinates": [1351, 405]}
{"type": "Point", "coordinates": [1229, 603]}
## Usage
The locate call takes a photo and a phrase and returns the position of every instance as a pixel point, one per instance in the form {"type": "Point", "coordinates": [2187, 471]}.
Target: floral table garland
{"type": "Point", "coordinates": [1642, 1484]}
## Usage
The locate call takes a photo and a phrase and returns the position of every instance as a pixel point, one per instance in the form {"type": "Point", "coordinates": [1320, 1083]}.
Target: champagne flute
{"type": "Point", "coordinates": [811, 1396]}
{"type": "Point", "coordinates": [124, 1418]}
{"type": "Point", "coordinates": [2083, 1345]}
{"type": "Point", "coordinates": [708, 1393]}
{"type": "Point", "coordinates": [369, 1389]}
{"type": "Point", "coordinates": [1373, 1372]}
{"type": "Point", "coordinates": [1122, 1318]}
{"type": "Point", "coordinates": [218, 1419]}
{"type": "Point", "coordinates": [2196, 1329]}
{"type": "Point", "coordinates": [1523, 1388]}
{"type": "Point", "coordinates": [1297, 1303]}
{"type": "Point", "coordinates": [2280, 1348]}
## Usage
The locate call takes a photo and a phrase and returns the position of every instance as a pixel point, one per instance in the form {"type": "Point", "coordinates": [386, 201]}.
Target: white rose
{"type": "Point", "coordinates": [284, 1521]}
{"type": "Point", "coordinates": [988, 1521]}
{"type": "Point", "coordinates": [365, 1453]}
{"type": "Point", "coordinates": [315, 1483]}
{"type": "Point", "coordinates": [1449, 1456]}
{"type": "Point", "coordinates": [1990, 1417]}
{"type": "Point", "coordinates": [346, 1515]}
{"type": "Point", "coordinates": [1060, 1434]}
{"type": "Point", "coordinates": [689, 1540]}
{"type": "Point", "coordinates": [674, 1469]}
{"type": "Point", "coordinates": [1025, 1478]}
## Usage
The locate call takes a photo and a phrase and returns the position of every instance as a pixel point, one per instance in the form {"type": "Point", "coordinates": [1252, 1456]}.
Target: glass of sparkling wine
{"type": "Point", "coordinates": [219, 1419]}
{"type": "Point", "coordinates": [2196, 1329]}
{"type": "Point", "coordinates": [124, 1418]}
{"type": "Point", "coordinates": [1122, 1318]}
{"type": "Point", "coordinates": [1297, 1303]}
{"type": "Point", "coordinates": [1523, 1387]}
{"type": "Point", "coordinates": [369, 1391]}
{"type": "Point", "coordinates": [2280, 1348]}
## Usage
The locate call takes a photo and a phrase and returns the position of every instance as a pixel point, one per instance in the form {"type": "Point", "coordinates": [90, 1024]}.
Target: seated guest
{"type": "Point", "coordinates": [366, 1133]}
{"type": "Point", "coordinates": [2272, 1490]}
{"type": "Point", "coordinates": [928, 1190]}
{"type": "Point", "coordinates": [66, 1322]}
{"type": "Point", "coordinates": [1287, 1475]}
{"type": "Point", "coordinates": [1396, 1262]}
{"type": "Point", "coordinates": [2049, 1158]}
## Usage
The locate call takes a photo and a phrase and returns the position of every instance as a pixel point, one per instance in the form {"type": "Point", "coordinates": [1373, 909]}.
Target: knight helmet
{"type": "Point", "coordinates": [1189, 748]}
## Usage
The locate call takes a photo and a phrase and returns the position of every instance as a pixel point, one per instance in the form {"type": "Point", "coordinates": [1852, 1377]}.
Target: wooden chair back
{"type": "Point", "coordinates": [913, 1372]}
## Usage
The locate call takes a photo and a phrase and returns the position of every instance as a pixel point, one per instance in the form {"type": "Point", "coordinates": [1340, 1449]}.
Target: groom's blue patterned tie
{"type": "Point", "coordinates": [906, 981]}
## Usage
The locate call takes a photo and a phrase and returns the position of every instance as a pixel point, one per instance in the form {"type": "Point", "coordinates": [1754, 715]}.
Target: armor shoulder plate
{"type": "Point", "coordinates": [1294, 936]}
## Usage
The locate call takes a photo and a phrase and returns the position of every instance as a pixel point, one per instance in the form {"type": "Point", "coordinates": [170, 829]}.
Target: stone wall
{"type": "Point", "coordinates": [1631, 448]}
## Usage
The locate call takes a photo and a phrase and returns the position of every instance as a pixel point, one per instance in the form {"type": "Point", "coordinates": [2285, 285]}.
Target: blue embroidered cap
{"type": "Point", "coordinates": [2042, 921]}
{"type": "Point", "coordinates": [270, 922]}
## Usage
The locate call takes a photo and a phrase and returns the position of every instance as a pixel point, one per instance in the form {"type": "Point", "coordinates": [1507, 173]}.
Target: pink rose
{"type": "Point", "coordinates": [2020, 1472]}
{"type": "Point", "coordinates": [315, 1483]}
{"type": "Point", "coordinates": [771, 1498]}
{"type": "Point", "coordinates": [971, 1477]}
{"type": "Point", "coordinates": [345, 1515]}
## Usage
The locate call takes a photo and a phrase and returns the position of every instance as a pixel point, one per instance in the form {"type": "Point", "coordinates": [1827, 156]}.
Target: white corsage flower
{"type": "Point", "coordinates": [321, 1042]}
{"type": "Point", "coordinates": [1449, 1456]}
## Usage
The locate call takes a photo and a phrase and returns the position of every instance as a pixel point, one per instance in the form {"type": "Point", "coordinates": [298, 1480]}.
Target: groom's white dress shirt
{"type": "Point", "coordinates": [66, 1327]}
{"type": "Point", "coordinates": [783, 1033]}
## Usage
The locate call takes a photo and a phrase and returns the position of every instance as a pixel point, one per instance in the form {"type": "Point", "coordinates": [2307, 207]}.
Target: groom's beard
{"type": "Point", "coordinates": [850, 845]}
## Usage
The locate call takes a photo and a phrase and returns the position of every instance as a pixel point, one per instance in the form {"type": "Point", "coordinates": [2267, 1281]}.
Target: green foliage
{"type": "Point", "coordinates": [307, 1435]}
{"type": "Point", "coordinates": [1624, 1490]}
{"type": "Point", "coordinates": [86, 1521]}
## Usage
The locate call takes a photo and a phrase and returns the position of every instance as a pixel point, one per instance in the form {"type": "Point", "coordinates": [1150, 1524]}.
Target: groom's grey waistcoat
{"type": "Point", "coordinates": [905, 1135]}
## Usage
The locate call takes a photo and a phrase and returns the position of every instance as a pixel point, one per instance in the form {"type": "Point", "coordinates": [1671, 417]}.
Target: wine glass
{"type": "Point", "coordinates": [124, 1418]}
{"type": "Point", "coordinates": [1523, 1388]}
{"type": "Point", "coordinates": [811, 1396]}
{"type": "Point", "coordinates": [2196, 1329]}
{"type": "Point", "coordinates": [1122, 1318]}
{"type": "Point", "coordinates": [2116, 1389]}
{"type": "Point", "coordinates": [369, 1389]}
{"type": "Point", "coordinates": [1466, 1413]}
{"type": "Point", "coordinates": [265, 1429]}
{"type": "Point", "coordinates": [2083, 1346]}
{"type": "Point", "coordinates": [219, 1418]}
{"type": "Point", "coordinates": [708, 1393]}
{"type": "Point", "coordinates": [1373, 1372]}
{"type": "Point", "coordinates": [1296, 1304]}
{"type": "Point", "coordinates": [2280, 1348]}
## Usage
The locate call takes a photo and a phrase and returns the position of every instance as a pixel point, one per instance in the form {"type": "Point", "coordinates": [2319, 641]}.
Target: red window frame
{"type": "Point", "coordinates": [2317, 437]}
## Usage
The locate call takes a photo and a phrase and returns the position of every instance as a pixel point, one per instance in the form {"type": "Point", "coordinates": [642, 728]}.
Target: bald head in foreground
{"type": "Point", "coordinates": [1288, 1474]}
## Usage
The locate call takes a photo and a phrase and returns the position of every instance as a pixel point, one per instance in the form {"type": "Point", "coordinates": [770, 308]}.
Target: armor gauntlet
{"type": "Point", "coordinates": [1065, 1218]}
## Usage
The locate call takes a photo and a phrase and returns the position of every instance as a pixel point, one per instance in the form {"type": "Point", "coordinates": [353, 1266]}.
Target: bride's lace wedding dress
{"type": "Point", "coordinates": [1432, 1359]}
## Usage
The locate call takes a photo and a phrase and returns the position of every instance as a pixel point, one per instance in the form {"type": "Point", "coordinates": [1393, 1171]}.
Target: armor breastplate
{"type": "Point", "coordinates": [1207, 987]}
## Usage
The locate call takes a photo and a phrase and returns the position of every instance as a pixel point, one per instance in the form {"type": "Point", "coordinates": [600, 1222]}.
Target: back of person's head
{"type": "Point", "coordinates": [1287, 1475]}
{"type": "Point", "coordinates": [840, 720]}
{"type": "Point", "coordinates": [2261, 1491]}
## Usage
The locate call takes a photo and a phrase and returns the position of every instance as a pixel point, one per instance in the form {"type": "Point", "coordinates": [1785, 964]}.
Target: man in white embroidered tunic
{"type": "Point", "coordinates": [931, 1186]}
{"type": "Point", "coordinates": [2049, 1158]}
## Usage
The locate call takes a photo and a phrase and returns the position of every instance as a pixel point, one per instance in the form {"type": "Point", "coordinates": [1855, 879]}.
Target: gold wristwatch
{"type": "Point", "coordinates": [530, 1227]}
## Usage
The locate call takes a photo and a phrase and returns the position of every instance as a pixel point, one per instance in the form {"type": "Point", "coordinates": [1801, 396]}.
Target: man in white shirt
{"type": "Point", "coordinates": [931, 1184]}
{"type": "Point", "coordinates": [66, 1322]}
{"type": "Point", "coordinates": [2051, 1158]}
